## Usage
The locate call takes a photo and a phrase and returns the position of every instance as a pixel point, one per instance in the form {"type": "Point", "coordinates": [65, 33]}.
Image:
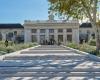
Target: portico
{"type": "Point", "coordinates": [56, 31]}
{"type": "Point", "coordinates": [59, 31]}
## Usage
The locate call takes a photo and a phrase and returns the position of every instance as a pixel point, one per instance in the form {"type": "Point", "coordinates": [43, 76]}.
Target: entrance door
{"type": "Point", "coordinates": [42, 39]}
{"type": "Point", "coordinates": [51, 40]}
{"type": "Point", "coordinates": [51, 37]}
{"type": "Point", "coordinates": [60, 38]}
{"type": "Point", "coordinates": [34, 38]}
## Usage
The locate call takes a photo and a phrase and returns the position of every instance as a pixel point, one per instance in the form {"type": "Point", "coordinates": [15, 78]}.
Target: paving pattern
{"type": "Point", "coordinates": [49, 63]}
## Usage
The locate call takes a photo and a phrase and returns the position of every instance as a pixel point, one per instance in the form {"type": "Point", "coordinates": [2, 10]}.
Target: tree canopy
{"type": "Point", "coordinates": [75, 8]}
{"type": "Point", "coordinates": [78, 9]}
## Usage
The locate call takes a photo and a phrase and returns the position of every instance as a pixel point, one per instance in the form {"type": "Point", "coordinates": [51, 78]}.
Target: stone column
{"type": "Point", "coordinates": [4, 36]}
{"type": "Point", "coordinates": [27, 35]}
{"type": "Point", "coordinates": [38, 35]}
{"type": "Point", "coordinates": [64, 36]}
{"type": "Point", "coordinates": [75, 35]}
{"type": "Point", "coordinates": [56, 35]}
{"type": "Point", "coordinates": [47, 34]}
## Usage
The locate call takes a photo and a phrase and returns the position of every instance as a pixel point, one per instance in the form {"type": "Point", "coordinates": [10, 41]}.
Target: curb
{"type": "Point", "coordinates": [96, 58]}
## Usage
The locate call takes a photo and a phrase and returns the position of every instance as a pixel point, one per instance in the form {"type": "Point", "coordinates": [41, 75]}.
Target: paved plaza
{"type": "Point", "coordinates": [49, 62]}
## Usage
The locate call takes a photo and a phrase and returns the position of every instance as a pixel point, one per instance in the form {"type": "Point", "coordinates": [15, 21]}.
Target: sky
{"type": "Point", "coordinates": [16, 11]}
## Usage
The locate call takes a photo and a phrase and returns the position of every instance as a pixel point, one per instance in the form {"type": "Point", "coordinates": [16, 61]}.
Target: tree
{"type": "Point", "coordinates": [77, 9]}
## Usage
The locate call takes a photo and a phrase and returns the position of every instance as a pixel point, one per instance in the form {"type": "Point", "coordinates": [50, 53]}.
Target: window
{"type": "Point", "coordinates": [22, 33]}
{"type": "Point", "coordinates": [51, 30]}
{"type": "Point", "coordinates": [9, 36]}
{"type": "Point", "coordinates": [60, 30]}
{"type": "Point", "coordinates": [69, 30]}
{"type": "Point", "coordinates": [34, 30]}
{"type": "Point", "coordinates": [34, 38]}
{"type": "Point", "coordinates": [51, 37]}
{"type": "Point", "coordinates": [69, 37]}
{"type": "Point", "coordinates": [60, 38]}
{"type": "Point", "coordinates": [15, 32]}
{"type": "Point", "coordinates": [42, 39]}
{"type": "Point", "coordinates": [42, 30]}
{"type": "Point", "coordinates": [88, 31]}
{"type": "Point", "coordinates": [93, 35]}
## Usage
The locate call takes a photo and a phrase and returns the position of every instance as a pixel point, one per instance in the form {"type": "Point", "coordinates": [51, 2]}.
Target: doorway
{"type": "Point", "coordinates": [60, 38]}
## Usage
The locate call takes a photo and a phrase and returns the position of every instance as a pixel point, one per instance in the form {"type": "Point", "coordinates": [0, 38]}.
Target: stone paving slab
{"type": "Point", "coordinates": [46, 51]}
{"type": "Point", "coordinates": [44, 57]}
{"type": "Point", "coordinates": [48, 74]}
{"type": "Point", "coordinates": [49, 78]}
{"type": "Point", "coordinates": [55, 65]}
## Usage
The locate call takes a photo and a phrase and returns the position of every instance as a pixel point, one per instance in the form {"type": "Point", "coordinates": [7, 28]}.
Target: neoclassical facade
{"type": "Point", "coordinates": [59, 31]}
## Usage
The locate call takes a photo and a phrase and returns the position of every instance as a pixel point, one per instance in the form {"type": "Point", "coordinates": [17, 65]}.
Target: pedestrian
{"type": "Point", "coordinates": [6, 42]}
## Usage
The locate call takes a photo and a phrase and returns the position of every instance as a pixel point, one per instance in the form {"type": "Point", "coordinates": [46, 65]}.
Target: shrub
{"type": "Point", "coordinates": [14, 47]}
{"type": "Point", "coordinates": [34, 44]}
{"type": "Point", "coordinates": [73, 45]}
{"type": "Point", "coordinates": [1, 42]}
{"type": "Point", "coordinates": [84, 47]}
{"type": "Point", "coordinates": [92, 42]}
{"type": "Point", "coordinates": [95, 52]}
{"type": "Point", "coordinates": [10, 49]}
{"type": "Point", "coordinates": [2, 52]}
{"type": "Point", "coordinates": [87, 48]}
{"type": "Point", "coordinates": [2, 47]}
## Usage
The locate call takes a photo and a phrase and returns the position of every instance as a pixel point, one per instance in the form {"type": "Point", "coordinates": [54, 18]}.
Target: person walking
{"type": "Point", "coordinates": [6, 43]}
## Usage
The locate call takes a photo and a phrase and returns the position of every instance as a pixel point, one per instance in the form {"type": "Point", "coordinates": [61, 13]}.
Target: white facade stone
{"type": "Point", "coordinates": [56, 35]}
{"type": "Point", "coordinates": [64, 25]}
{"type": "Point", "coordinates": [47, 34]}
{"type": "Point", "coordinates": [38, 35]}
{"type": "Point", "coordinates": [75, 36]}
{"type": "Point", "coordinates": [3, 36]}
{"type": "Point", "coordinates": [27, 35]}
{"type": "Point", "coordinates": [64, 36]}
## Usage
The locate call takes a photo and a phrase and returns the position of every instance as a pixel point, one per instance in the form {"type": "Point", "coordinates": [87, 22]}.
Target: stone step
{"type": "Point", "coordinates": [50, 46]}
{"type": "Point", "coordinates": [49, 74]}
{"type": "Point", "coordinates": [30, 65]}
{"type": "Point", "coordinates": [48, 69]}
{"type": "Point", "coordinates": [49, 61]}
{"type": "Point", "coordinates": [49, 49]}
{"type": "Point", "coordinates": [46, 51]}
{"type": "Point", "coordinates": [44, 57]}
{"type": "Point", "coordinates": [39, 63]}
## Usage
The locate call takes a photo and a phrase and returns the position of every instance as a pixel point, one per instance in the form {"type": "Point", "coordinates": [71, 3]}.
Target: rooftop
{"type": "Point", "coordinates": [86, 25]}
{"type": "Point", "coordinates": [50, 21]}
{"type": "Point", "coordinates": [11, 26]}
